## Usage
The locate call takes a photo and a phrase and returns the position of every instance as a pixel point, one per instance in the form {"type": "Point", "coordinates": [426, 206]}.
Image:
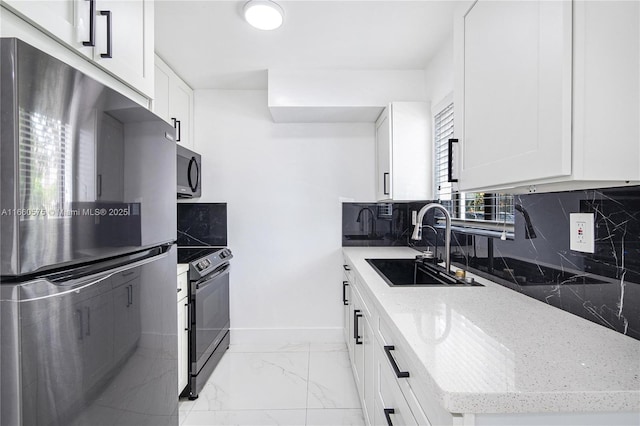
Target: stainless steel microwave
{"type": "Point", "coordinates": [189, 170]}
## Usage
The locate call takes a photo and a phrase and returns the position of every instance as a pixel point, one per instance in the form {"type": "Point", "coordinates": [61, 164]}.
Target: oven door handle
{"type": "Point", "coordinates": [220, 270]}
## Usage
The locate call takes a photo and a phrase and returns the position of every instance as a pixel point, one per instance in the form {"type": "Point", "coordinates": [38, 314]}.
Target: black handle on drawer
{"type": "Point", "coordinates": [346, 267]}
{"type": "Point", "coordinates": [107, 13]}
{"type": "Point", "coordinates": [385, 177]}
{"type": "Point", "coordinates": [356, 325]}
{"type": "Point", "coordinates": [344, 292]}
{"type": "Point", "coordinates": [92, 24]}
{"type": "Point", "coordinates": [394, 364]}
{"type": "Point", "coordinates": [450, 177]}
{"type": "Point", "coordinates": [387, 415]}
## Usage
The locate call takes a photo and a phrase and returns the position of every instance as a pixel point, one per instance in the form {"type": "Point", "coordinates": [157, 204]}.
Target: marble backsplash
{"type": "Point", "coordinates": [603, 287]}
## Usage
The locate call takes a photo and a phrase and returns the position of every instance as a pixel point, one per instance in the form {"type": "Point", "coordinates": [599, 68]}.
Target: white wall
{"type": "Point", "coordinates": [439, 74]}
{"type": "Point", "coordinates": [284, 184]}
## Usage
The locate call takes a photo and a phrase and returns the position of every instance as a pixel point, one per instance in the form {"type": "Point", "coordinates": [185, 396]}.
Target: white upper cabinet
{"type": "Point", "coordinates": [116, 35]}
{"type": "Point", "coordinates": [131, 35]}
{"type": "Point", "coordinates": [548, 95]}
{"type": "Point", "coordinates": [173, 102]}
{"type": "Point", "coordinates": [404, 153]}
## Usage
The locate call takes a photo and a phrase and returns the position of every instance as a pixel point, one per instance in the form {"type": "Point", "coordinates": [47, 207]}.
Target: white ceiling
{"type": "Point", "coordinates": [209, 44]}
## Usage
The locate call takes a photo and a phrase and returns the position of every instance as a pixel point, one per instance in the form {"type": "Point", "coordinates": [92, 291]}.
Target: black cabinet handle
{"type": "Point", "coordinates": [387, 415]}
{"type": "Point", "coordinates": [356, 326]}
{"type": "Point", "coordinates": [385, 177]}
{"type": "Point", "coordinates": [346, 267]}
{"type": "Point", "coordinates": [178, 126]}
{"type": "Point", "coordinates": [107, 13]}
{"type": "Point", "coordinates": [394, 364]}
{"type": "Point", "coordinates": [450, 161]}
{"type": "Point", "coordinates": [129, 295]}
{"type": "Point", "coordinates": [344, 292]}
{"type": "Point", "coordinates": [92, 24]}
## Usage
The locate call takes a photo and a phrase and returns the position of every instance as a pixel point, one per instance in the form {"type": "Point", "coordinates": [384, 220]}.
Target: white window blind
{"type": "Point", "coordinates": [443, 128]}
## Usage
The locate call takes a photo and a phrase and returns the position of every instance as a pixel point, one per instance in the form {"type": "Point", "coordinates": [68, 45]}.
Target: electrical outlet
{"type": "Point", "coordinates": [582, 235]}
{"type": "Point", "coordinates": [414, 217]}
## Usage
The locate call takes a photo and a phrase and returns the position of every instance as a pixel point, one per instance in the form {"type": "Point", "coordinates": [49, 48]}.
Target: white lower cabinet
{"type": "Point", "coordinates": [394, 382]}
{"type": "Point", "coordinates": [360, 341]}
{"type": "Point", "coordinates": [183, 331]}
{"type": "Point", "coordinates": [378, 387]}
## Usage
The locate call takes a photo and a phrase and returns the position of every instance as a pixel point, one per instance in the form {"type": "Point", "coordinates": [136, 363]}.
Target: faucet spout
{"type": "Point", "coordinates": [417, 230]}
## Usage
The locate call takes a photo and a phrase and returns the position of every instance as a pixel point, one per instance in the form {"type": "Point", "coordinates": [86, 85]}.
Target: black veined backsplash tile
{"type": "Point", "coordinates": [603, 287]}
{"type": "Point", "coordinates": [202, 224]}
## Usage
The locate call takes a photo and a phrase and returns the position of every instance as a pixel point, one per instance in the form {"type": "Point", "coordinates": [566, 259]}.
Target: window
{"type": "Point", "coordinates": [472, 207]}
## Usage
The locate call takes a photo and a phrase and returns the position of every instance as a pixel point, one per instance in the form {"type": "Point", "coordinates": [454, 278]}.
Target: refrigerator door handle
{"type": "Point", "coordinates": [80, 324]}
{"type": "Point", "coordinates": [76, 285]}
{"type": "Point", "coordinates": [88, 321]}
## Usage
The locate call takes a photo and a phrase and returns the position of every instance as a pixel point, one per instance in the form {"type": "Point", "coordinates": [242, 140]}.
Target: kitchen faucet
{"type": "Point", "coordinates": [529, 232]}
{"type": "Point", "coordinates": [417, 230]}
{"type": "Point", "coordinates": [372, 218]}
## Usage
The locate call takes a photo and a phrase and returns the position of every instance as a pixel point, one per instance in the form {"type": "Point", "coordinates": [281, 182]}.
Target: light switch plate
{"type": "Point", "coordinates": [582, 235]}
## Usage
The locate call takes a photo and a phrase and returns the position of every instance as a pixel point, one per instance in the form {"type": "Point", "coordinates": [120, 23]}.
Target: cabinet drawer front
{"type": "Point", "coordinates": [414, 388]}
{"type": "Point", "coordinates": [183, 284]}
{"type": "Point", "coordinates": [390, 397]}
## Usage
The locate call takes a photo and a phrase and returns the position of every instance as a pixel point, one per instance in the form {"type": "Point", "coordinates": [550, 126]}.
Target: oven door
{"type": "Point", "coordinates": [210, 315]}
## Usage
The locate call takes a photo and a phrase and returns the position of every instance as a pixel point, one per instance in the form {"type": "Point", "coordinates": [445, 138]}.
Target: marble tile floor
{"type": "Point", "coordinates": [306, 384]}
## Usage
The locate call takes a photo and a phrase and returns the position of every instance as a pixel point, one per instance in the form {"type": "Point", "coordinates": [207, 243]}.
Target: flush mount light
{"type": "Point", "coordinates": [263, 14]}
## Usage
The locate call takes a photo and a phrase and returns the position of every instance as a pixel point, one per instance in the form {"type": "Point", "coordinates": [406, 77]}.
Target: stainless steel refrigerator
{"type": "Point", "coordinates": [88, 322]}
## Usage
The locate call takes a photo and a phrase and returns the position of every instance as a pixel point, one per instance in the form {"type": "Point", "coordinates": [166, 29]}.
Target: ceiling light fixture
{"type": "Point", "coordinates": [263, 14]}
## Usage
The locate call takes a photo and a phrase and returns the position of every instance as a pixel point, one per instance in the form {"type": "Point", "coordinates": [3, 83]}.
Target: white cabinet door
{"type": "Point", "coordinates": [66, 20]}
{"type": "Point", "coordinates": [183, 333]}
{"type": "Point", "coordinates": [346, 302]}
{"type": "Point", "coordinates": [383, 156]}
{"type": "Point", "coordinates": [183, 345]}
{"type": "Point", "coordinates": [162, 82]}
{"type": "Point", "coordinates": [180, 110]}
{"type": "Point", "coordinates": [174, 102]}
{"type": "Point", "coordinates": [514, 92]}
{"type": "Point", "coordinates": [368, 343]}
{"type": "Point", "coordinates": [130, 54]}
{"type": "Point", "coordinates": [130, 34]}
{"type": "Point", "coordinates": [362, 353]}
{"type": "Point", "coordinates": [404, 153]}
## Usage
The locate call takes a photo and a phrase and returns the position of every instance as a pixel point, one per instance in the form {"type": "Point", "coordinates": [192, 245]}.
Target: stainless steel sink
{"type": "Point", "coordinates": [416, 273]}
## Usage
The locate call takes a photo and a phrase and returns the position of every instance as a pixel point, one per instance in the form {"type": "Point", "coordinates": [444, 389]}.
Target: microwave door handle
{"type": "Point", "coordinates": [193, 162]}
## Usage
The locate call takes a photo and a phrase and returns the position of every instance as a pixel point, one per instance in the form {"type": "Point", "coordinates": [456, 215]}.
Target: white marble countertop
{"type": "Point", "coordinates": [492, 350]}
